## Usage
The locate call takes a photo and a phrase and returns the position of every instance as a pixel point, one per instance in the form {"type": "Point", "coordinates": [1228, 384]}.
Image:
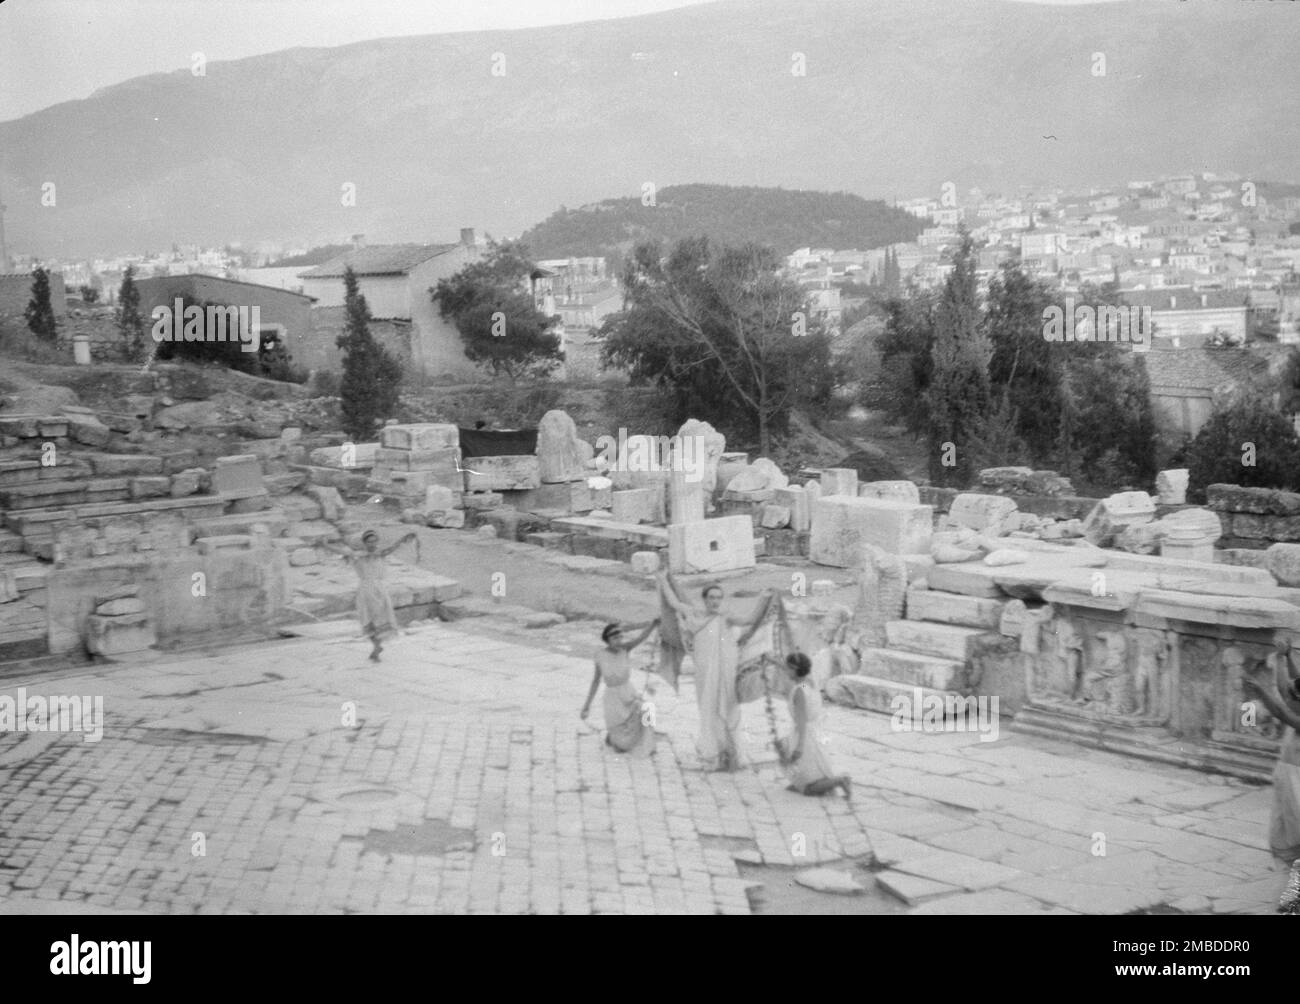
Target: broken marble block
{"type": "Point", "coordinates": [1113, 515]}
{"type": "Point", "coordinates": [1190, 535]}
{"type": "Point", "coordinates": [990, 515]}
{"type": "Point", "coordinates": [842, 524]}
{"type": "Point", "coordinates": [895, 491]}
{"type": "Point", "coordinates": [601, 491]}
{"type": "Point", "coordinates": [839, 481]}
{"type": "Point", "coordinates": [560, 455]}
{"type": "Point", "coordinates": [497, 474]}
{"type": "Point", "coordinates": [712, 545]}
{"type": "Point", "coordinates": [1172, 486]}
{"type": "Point", "coordinates": [756, 482]}
{"type": "Point", "coordinates": [1283, 563]}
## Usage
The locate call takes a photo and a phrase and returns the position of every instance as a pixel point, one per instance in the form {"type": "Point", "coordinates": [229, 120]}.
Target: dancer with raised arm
{"type": "Point", "coordinates": [716, 654]}
{"type": "Point", "coordinates": [625, 720]}
{"type": "Point", "coordinates": [374, 605]}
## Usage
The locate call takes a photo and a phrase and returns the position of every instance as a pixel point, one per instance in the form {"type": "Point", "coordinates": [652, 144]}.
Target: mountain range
{"type": "Point", "coordinates": [497, 129]}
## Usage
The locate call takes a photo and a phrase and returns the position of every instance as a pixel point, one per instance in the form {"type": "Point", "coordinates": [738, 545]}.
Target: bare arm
{"type": "Point", "coordinates": [591, 694]}
{"type": "Point", "coordinates": [669, 592]}
{"type": "Point", "coordinates": [628, 646]}
{"type": "Point", "coordinates": [396, 544]}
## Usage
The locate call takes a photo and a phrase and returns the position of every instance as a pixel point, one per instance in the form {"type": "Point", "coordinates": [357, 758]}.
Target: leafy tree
{"type": "Point", "coordinates": [959, 393]}
{"type": "Point", "coordinates": [1024, 365]}
{"type": "Point", "coordinates": [490, 304]}
{"type": "Point", "coordinates": [129, 321]}
{"type": "Point", "coordinates": [906, 357]}
{"type": "Point", "coordinates": [369, 387]}
{"type": "Point", "coordinates": [1245, 429]}
{"type": "Point", "coordinates": [723, 331]}
{"type": "Point", "coordinates": [40, 312]}
{"type": "Point", "coordinates": [88, 293]}
{"type": "Point", "coordinates": [1107, 433]}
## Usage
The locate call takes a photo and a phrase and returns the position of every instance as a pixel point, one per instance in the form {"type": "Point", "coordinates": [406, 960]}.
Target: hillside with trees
{"type": "Point", "coordinates": [777, 218]}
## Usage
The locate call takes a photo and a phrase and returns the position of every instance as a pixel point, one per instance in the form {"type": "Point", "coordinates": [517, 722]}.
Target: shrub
{"type": "Point", "coordinates": [1246, 443]}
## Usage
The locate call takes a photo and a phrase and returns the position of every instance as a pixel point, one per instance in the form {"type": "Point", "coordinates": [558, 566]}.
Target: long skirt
{"type": "Point", "coordinates": [375, 608]}
{"type": "Point", "coordinates": [1284, 827]}
{"type": "Point", "coordinates": [624, 720]}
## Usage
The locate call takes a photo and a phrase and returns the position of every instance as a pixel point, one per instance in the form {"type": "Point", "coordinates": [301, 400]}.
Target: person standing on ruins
{"type": "Point", "coordinates": [374, 605]}
{"type": "Point", "coordinates": [715, 651]}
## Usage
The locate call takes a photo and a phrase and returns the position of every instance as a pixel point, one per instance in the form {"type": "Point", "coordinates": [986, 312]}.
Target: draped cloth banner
{"type": "Point", "coordinates": [494, 443]}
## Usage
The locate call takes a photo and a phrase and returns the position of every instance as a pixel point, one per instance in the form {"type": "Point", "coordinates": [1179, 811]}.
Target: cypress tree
{"type": "Point", "coordinates": [129, 322]}
{"type": "Point", "coordinates": [40, 312]}
{"type": "Point", "coordinates": [370, 373]}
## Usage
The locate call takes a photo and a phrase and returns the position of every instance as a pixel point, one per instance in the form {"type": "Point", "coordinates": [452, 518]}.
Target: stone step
{"type": "Point", "coordinates": [953, 608]}
{"type": "Point", "coordinates": [637, 533]}
{"type": "Point", "coordinates": [946, 641]}
{"type": "Point", "coordinates": [872, 693]}
{"type": "Point", "coordinates": [29, 522]}
{"type": "Point", "coordinates": [10, 542]}
{"type": "Point", "coordinates": [913, 668]}
{"type": "Point", "coordinates": [44, 494]}
{"type": "Point", "coordinates": [241, 523]}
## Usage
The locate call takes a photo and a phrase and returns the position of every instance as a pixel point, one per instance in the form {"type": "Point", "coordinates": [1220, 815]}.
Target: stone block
{"type": "Point", "coordinates": [119, 635]}
{"type": "Point", "coordinates": [712, 545]}
{"type": "Point", "coordinates": [1172, 486]}
{"type": "Point", "coordinates": [183, 484]}
{"type": "Point", "coordinates": [424, 436]}
{"type": "Point", "coordinates": [799, 502]}
{"type": "Point", "coordinates": [1112, 515]}
{"type": "Point", "coordinates": [1263, 501]}
{"type": "Point", "coordinates": [839, 481]}
{"type": "Point", "coordinates": [153, 488]}
{"type": "Point", "coordinates": [633, 505]}
{"type": "Point", "coordinates": [290, 435]}
{"type": "Point", "coordinates": [602, 492]}
{"type": "Point", "coordinates": [843, 524]}
{"type": "Point", "coordinates": [990, 515]}
{"type": "Point", "coordinates": [441, 497]}
{"type": "Point", "coordinates": [238, 477]}
{"type": "Point", "coordinates": [894, 491]}
{"type": "Point", "coordinates": [1283, 563]}
{"type": "Point", "coordinates": [250, 503]}
{"type": "Point", "coordinates": [111, 465]}
{"type": "Point", "coordinates": [729, 465]}
{"type": "Point", "coordinates": [303, 556]}
{"type": "Point", "coordinates": [330, 501]}
{"type": "Point", "coordinates": [87, 430]}
{"type": "Point", "coordinates": [774, 517]}
{"type": "Point", "coordinates": [508, 473]}
{"type": "Point", "coordinates": [1187, 550]}
{"type": "Point", "coordinates": [567, 496]}
{"type": "Point", "coordinates": [417, 460]}
{"type": "Point", "coordinates": [548, 540]}
{"type": "Point", "coordinates": [349, 456]}
{"type": "Point", "coordinates": [482, 500]}
{"type": "Point", "coordinates": [780, 543]}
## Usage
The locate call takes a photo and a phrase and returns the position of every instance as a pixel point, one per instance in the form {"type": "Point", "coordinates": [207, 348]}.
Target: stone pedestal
{"type": "Point", "coordinates": [711, 545]}
{"type": "Point", "coordinates": [842, 525]}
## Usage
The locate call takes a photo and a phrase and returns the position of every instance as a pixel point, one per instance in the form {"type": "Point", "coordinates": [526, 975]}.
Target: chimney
{"type": "Point", "coordinates": [467, 236]}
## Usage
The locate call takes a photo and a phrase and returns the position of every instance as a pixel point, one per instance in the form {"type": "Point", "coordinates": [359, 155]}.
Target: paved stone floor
{"type": "Point", "coordinates": [455, 776]}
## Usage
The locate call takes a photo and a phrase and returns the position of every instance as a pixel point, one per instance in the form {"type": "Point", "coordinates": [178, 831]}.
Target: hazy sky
{"type": "Point", "coordinates": [62, 50]}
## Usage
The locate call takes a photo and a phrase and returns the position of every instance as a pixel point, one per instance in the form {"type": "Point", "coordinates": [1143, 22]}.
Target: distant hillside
{"type": "Point", "coordinates": [410, 139]}
{"type": "Point", "coordinates": [781, 219]}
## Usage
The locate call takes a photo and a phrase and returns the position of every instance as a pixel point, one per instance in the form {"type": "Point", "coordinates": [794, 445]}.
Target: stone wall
{"type": "Point", "coordinates": [1254, 518]}
{"type": "Point", "coordinates": [16, 293]}
{"type": "Point", "coordinates": [184, 592]}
